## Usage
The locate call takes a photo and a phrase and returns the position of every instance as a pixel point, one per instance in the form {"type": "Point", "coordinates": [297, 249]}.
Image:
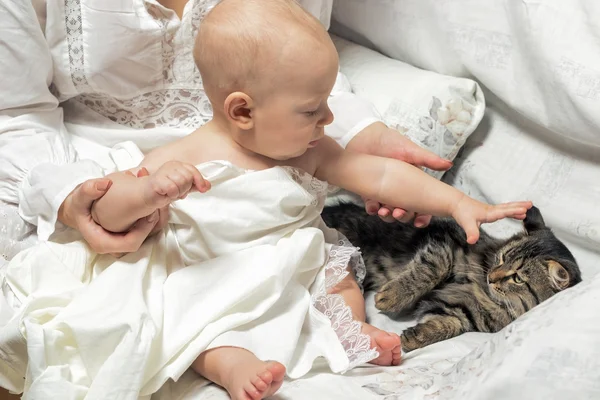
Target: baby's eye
{"type": "Point", "coordinates": [311, 113]}
{"type": "Point", "coordinates": [517, 279]}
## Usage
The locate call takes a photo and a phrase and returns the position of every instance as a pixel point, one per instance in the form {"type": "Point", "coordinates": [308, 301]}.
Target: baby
{"type": "Point", "coordinates": [268, 68]}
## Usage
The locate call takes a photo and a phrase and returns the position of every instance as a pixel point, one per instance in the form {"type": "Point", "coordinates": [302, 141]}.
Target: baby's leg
{"type": "Point", "coordinates": [237, 370]}
{"type": "Point", "coordinates": [387, 344]}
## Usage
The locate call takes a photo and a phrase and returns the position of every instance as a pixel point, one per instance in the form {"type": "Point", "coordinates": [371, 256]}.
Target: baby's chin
{"type": "Point", "coordinates": [287, 157]}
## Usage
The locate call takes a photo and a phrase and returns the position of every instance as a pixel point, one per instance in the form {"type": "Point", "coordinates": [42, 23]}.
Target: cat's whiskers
{"type": "Point", "coordinates": [509, 306]}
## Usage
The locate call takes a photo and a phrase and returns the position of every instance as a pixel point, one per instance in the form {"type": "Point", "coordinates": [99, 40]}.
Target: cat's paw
{"type": "Point", "coordinates": [411, 340]}
{"type": "Point", "coordinates": [393, 298]}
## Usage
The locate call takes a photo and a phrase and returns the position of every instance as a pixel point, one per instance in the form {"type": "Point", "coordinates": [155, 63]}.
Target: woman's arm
{"type": "Point", "coordinates": [33, 138]}
{"type": "Point", "coordinates": [38, 165]}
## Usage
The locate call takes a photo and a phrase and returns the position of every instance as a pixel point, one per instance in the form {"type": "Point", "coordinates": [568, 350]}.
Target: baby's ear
{"type": "Point", "coordinates": [533, 220]}
{"type": "Point", "coordinates": [238, 108]}
{"type": "Point", "coordinates": [558, 275]}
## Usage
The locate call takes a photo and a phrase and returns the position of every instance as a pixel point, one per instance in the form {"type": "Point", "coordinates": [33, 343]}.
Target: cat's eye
{"type": "Point", "coordinates": [517, 279]}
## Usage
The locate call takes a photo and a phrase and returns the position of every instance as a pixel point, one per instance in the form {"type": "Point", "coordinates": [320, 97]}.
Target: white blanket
{"type": "Point", "coordinates": [246, 264]}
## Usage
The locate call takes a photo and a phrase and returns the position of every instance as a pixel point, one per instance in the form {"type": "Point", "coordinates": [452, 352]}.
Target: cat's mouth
{"type": "Point", "coordinates": [495, 292]}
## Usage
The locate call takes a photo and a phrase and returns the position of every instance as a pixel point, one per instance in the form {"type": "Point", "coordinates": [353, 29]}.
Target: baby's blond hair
{"type": "Point", "coordinates": [242, 45]}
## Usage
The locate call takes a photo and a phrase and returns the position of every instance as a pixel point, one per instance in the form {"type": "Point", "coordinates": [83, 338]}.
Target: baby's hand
{"type": "Point", "coordinates": [470, 214]}
{"type": "Point", "coordinates": [173, 181]}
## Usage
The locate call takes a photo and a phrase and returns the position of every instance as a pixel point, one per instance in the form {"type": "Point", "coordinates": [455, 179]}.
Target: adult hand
{"type": "Point", "coordinates": [75, 212]}
{"type": "Point", "coordinates": [377, 139]}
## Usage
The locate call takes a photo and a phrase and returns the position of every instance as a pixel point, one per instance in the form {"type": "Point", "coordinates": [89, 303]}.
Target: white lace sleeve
{"type": "Point", "coordinates": [352, 112]}
{"type": "Point", "coordinates": [34, 146]}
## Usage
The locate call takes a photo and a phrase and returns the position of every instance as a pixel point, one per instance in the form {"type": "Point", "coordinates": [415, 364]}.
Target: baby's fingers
{"type": "Point", "coordinates": [201, 184]}
{"type": "Point", "coordinates": [516, 209]}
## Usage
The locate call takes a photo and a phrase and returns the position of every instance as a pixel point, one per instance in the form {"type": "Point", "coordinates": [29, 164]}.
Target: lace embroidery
{"type": "Point", "coordinates": [317, 188]}
{"type": "Point", "coordinates": [181, 104]}
{"type": "Point", "coordinates": [356, 262]}
{"type": "Point", "coordinates": [177, 108]}
{"type": "Point", "coordinates": [349, 332]}
{"type": "Point", "coordinates": [74, 28]}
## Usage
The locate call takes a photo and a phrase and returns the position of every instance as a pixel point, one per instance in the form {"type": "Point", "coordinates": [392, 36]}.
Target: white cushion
{"type": "Point", "coordinates": [541, 58]}
{"type": "Point", "coordinates": [436, 111]}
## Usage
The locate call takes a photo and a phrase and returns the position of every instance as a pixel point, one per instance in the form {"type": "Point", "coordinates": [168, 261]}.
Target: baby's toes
{"type": "Point", "coordinates": [266, 376]}
{"type": "Point", "coordinates": [259, 384]}
{"type": "Point", "coordinates": [396, 355]}
{"type": "Point", "coordinates": [252, 391]}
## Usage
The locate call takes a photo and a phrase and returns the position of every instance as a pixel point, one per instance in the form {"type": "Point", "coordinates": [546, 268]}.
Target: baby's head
{"type": "Point", "coordinates": [268, 68]}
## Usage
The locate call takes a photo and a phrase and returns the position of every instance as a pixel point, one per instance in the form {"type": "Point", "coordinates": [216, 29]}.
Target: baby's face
{"type": "Point", "coordinates": [292, 118]}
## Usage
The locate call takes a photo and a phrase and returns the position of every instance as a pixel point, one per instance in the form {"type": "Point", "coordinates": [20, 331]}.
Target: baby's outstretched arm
{"type": "Point", "coordinates": [130, 198]}
{"type": "Point", "coordinates": [402, 185]}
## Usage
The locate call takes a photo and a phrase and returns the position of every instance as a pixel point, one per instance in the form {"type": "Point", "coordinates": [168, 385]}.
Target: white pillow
{"type": "Point", "coordinates": [435, 111]}
{"type": "Point", "coordinates": [540, 58]}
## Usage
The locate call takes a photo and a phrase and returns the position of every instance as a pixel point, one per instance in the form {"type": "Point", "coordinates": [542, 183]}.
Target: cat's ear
{"type": "Point", "coordinates": [558, 275]}
{"type": "Point", "coordinates": [533, 220]}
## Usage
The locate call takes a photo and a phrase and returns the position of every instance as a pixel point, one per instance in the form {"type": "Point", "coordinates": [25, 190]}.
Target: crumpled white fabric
{"type": "Point", "coordinates": [246, 264]}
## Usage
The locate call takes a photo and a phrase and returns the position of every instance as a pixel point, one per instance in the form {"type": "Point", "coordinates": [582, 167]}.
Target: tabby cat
{"type": "Point", "coordinates": [453, 286]}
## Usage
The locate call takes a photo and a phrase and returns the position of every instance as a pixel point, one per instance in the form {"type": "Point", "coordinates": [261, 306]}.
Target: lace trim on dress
{"type": "Point", "coordinates": [74, 27]}
{"type": "Point", "coordinates": [177, 108]}
{"type": "Point", "coordinates": [182, 103]}
{"type": "Point", "coordinates": [349, 332]}
{"type": "Point", "coordinates": [314, 186]}
{"type": "Point", "coordinates": [319, 190]}
{"type": "Point", "coordinates": [356, 262]}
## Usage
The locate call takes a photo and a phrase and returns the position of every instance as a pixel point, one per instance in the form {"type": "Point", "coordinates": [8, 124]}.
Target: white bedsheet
{"type": "Point", "coordinates": [553, 352]}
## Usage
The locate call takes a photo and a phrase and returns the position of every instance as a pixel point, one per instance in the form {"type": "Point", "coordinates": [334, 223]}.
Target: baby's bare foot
{"type": "Point", "coordinates": [240, 372]}
{"type": "Point", "coordinates": [253, 379]}
{"type": "Point", "coordinates": [387, 345]}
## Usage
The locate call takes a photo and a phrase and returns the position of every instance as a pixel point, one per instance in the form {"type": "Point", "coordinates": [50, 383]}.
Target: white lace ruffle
{"type": "Point", "coordinates": [319, 190]}
{"type": "Point", "coordinates": [349, 332]}
{"type": "Point", "coordinates": [356, 262]}
{"type": "Point", "coordinates": [314, 186]}
{"type": "Point", "coordinates": [343, 255]}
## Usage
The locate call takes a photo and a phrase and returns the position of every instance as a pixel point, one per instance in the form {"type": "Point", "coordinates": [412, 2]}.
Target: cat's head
{"type": "Point", "coordinates": [531, 267]}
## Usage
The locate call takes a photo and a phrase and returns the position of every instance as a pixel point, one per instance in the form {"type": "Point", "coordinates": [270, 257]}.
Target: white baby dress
{"type": "Point", "coordinates": [247, 264]}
